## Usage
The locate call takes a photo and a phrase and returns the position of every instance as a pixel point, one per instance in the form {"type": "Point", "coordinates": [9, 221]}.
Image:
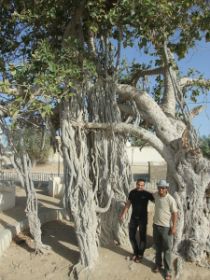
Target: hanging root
{"type": "Point", "coordinates": [79, 272]}
{"type": "Point", "coordinates": [35, 230]}
{"type": "Point", "coordinates": [178, 267]}
{"type": "Point", "coordinates": [42, 249]}
{"type": "Point", "coordinates": [25, 237]}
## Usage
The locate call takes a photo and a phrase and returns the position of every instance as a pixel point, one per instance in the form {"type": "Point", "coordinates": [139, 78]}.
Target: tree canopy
{"type": "Point", "coordinates": [37, 145]}
{"type": "Point", "coordinates": [39, 58]}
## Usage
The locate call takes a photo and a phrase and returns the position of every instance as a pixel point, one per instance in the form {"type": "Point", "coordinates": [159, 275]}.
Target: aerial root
{"type": "Point", "coordinates": [79, 272]}
{"type": "Point", "coordinates": [41, 250]}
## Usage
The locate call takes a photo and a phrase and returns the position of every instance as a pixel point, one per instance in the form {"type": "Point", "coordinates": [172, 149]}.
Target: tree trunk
{"type": "Point", "coordinates": [32, 206]}
{"type": "Point", "coordinates": [193, 234]}
{"type": "Point", "coordinates": [97, 175]}
{"type": "Point", "coordinates": [79, 195]}
{"type": "Point", "coordinates": [110, 169]}
{"type": "Point", "coordinates": [120, 181]}
{"type": "Point", "coordinates": [22, 165]}
{"type": "Point", "coordinates": [176, 140]}
{"type": "Point", "coordinates": [86, 225]}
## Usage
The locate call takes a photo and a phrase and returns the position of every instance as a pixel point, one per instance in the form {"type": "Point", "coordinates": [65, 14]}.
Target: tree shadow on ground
{"type": "Point", "coordinates": [128, 254]}
{"type": "Point", "coordinates": [42, 201]}
{"type": "Point", "coordinates": [60, 236]}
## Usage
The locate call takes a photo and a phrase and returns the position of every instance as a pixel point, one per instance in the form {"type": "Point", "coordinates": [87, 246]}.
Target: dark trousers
{"type": "Point", "coordinates": [163, 245]}
{"type": "Point", "coordinates": [138, 249]}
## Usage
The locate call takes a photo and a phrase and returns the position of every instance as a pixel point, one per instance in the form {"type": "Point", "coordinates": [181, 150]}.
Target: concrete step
{"type": "Point", "coordinates": [14, 220]}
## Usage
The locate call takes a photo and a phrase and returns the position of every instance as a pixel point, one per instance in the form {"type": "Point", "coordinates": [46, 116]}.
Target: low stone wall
{"type": "Point", "coordinates": [55, 187]}
{"type": "Point", "coordinates": [7, 196]}
{"type": "Point", "coordinates": [7, 234]}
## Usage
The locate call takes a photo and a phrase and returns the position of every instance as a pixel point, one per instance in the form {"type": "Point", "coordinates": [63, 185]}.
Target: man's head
{"type": "Point", "coordinates": [162, 186]}
{"type": "Point", "coordinates": [140, 183]}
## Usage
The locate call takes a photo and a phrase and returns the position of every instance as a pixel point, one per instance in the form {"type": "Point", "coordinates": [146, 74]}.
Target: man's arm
{"type": "Point", "coordinates": [152, 197]}
{"type": "Point", "coordinates": [174, 221]}
{"type": "Point", "coordinates": [125, 210]}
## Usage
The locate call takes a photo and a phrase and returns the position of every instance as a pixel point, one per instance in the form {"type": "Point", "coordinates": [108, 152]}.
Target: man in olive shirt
{"type": "Point", "coordinates": [164, 227]}
{"type": "Point", "coordinates": [139, 199]}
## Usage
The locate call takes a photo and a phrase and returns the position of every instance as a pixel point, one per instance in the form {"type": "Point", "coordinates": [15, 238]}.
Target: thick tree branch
{"type": "Point", "coordinates": [150, 111]}
{"type": "Point", "coordinates": [128, 129]}
{"type": "Point", "coordinates": [187, 82]}
{"type": "Point", "coordinates": [127, 112]}
{"type": "Point", "coordinates": [74, 26]}
{"type": "Point", "coordinates": [145, 72]}
{"type": "Point", "coordinates": [169, 98]}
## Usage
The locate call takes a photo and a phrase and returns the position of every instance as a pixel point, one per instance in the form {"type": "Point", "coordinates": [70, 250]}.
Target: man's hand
{"type": "Point", "coordinates": [124, 211]}
{"type": "Point", "coordinates": [121, 217]}
{"type": "Point", "coordinates": [174, 222]}
{"type": "Point", "coordinates": [173, 230]}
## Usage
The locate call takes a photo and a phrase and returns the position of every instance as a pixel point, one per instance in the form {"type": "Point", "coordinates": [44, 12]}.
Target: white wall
{"type": "Point", "coordinates": [7, 197]}
{"type": "Point", "coordinates": [55, 158]}
{"type": "Point", "coordinates": [143, 156]}
{"type": "Point", "coordinates": [135, 156]}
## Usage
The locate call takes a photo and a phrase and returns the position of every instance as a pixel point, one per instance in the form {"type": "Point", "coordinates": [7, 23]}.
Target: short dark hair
{"type": "Point", "coordinates": [140, 180]}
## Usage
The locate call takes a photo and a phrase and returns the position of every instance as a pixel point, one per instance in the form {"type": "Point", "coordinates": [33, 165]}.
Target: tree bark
{"type": "Point", "coordinates": [193, 236]}
{"type": "Point", "coordinates": [97, 174]}
{"type": "Point", "coordinates": [79, 196]}
{"type": "Point", "coordinates": [110, 168]}
{"type": "Point", "coordinates": [187, 171]}
{"type": "Point", "coordinates": [22, 164]}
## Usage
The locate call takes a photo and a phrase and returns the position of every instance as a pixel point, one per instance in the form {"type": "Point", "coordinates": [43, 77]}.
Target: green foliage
{"type": "Point", "coordinates": [47, 61]}
{"type": "Point", "coordinates": [194, 91]}
{"type": "Point", "coordinates": [194, 95]}
{"type": "Point", "coordinates": [205, 146]}
{"type": "Point", "coordinates": [32, 138]}
{"type": "Point", "coordinates": [48, 77]}
{"type": "Point", "coordinates": [158, 89]}
{"type": "Point", "coordinates": [155, 21]}
{"type": "Point", "coordinates": [136, 142]}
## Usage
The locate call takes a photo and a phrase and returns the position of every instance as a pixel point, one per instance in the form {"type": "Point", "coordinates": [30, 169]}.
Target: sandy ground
{"type": "Point", "coordinates": [20, 263]}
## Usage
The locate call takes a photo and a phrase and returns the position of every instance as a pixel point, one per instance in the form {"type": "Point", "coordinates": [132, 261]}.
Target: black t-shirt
{"type": "Point", "coordinates": [139, 201]}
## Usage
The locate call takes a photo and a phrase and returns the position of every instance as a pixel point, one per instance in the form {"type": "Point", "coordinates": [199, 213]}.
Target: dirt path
{"type": "Point", "coordinates": [20, 263]}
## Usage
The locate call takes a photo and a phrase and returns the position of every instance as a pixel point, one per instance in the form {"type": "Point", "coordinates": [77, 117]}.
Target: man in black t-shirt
{"type": "Point", "coordinates": [139, 199]}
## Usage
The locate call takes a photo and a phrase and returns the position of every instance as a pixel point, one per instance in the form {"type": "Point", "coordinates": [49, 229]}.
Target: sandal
{"type": "Point", "coordinates": [168, 277]}
{"type": "Point", "coordinates": [135, 259]}
{"type": "Point", "coordinates": [140, 258]}
{"type": "Point", "coordinates": [156, 269]}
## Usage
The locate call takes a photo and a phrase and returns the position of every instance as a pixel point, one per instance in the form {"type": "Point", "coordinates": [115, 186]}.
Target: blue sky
{"type": "Point", "coordinates": [197, 58]}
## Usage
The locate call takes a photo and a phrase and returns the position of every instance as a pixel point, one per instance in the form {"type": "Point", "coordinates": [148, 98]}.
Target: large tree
{"type": "Point", "coordinates": [73, 59]}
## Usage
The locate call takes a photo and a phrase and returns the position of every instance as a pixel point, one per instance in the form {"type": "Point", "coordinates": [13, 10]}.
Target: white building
{"type": "Point", "coordinates": [146, 163]}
